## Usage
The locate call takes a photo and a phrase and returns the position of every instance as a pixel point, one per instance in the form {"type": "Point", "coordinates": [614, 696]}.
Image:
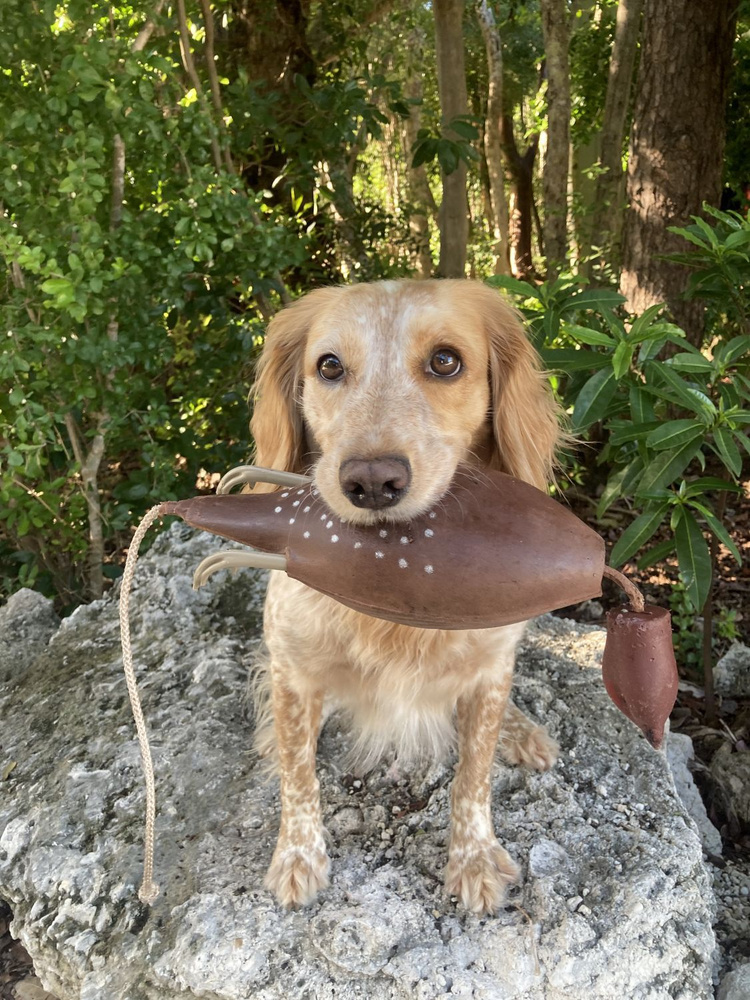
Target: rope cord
{"type": "Point", "coordinates": [149, 890]}
{"type": "Point", "coordinates": [633, 594]}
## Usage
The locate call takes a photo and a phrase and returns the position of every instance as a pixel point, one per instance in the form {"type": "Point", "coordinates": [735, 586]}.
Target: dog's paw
{"type": "Point", "coordinates": [297, 874]}
{"type": "Point", "coordinates": [533, 747]}
{"type": "Point", "coordinates": [480, 875]}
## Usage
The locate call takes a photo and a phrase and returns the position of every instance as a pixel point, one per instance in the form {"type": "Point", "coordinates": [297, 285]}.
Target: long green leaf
{"type": "Point", "coordinates": [593, 399]}
{"type": "Point", "coordinates": [591, 298]}
{"type": "Point", "coordinates": [567, 359]}
{"type": "Point", "coordinates": [707, 231]}
{"type": "Point", "coordinates": [641, 407]}
{"type": "Point", "coordinates": [624, 431]}
{"type": "Point", "coordinates": [718, 529]}
{"type": "Point", "coordinates": [694, 559]}
{"type": "Point", "coordinates": [510, 284]}
{"type": "Point", "coordinates": [690, 363]}
{"type": "Point", "coordinates": [686, 234]}
{"type": "Point", "coordinates": [706, 483]}
{"type": "Point", "coordinates": [659, 552]}
{"type": "Point", "coordinates": [593, 337]}
{"type": "Point", "coordinates": [667, 466]}
{"type": "Point", "coordinates": [674, 433]}
{"type": "Point", "coordinates": [691, 398]}
{"type": "Point", "coordinates": [638, 330]}
{"type": "Point", "coordinates": [728, 450]}
{"type": "Point", "coordinates": [637, 534]}
{"type": "Point", "coordinates": [736, 347]}
{"type": "Point", "coordinates": [618, 484]}
{"type": "Point", "coordinates": [622, 357]}
{"type": "Point", "coordinates": [737, 239]}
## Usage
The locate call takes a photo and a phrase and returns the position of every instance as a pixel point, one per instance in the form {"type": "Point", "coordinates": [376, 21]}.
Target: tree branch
{"type": "Point", "coordinates": [213, 80]}
{"type": "Point", "coordinates": [189, 64]}
{"type": "Point", "coordinates": [142, 39]}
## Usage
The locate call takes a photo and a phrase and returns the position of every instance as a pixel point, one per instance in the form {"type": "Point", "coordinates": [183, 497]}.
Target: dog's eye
{"type": "Point", "coordinates": [330, 368]}
{"type": "Point", "coordinates": [445, 362]}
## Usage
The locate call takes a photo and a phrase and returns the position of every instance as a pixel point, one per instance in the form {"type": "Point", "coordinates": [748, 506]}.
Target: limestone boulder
{"type": "Point", "coordinates": [615, 900]}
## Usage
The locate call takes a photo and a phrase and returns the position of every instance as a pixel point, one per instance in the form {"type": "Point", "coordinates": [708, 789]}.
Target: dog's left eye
{"type": "Point", "coordinates": [330, 368]}
{"type": "Point", "coordinates": [445, 362]}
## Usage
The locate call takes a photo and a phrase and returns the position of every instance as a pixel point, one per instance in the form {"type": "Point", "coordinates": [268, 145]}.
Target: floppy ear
{"type": "Point", "coordinates": [525, 416]}
{"type": "Point", "coordinates": [277, 424]}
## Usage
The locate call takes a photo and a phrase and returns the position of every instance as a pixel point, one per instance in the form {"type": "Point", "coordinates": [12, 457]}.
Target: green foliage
{"type": "Point", "coordinates": [136, 329]}
{"type": "Point", "coordinates": [591, 40]}
{"type": "Point", "coordinates": [435, 145]}
{"type": "Point", "coordinates": [688, 639]}
{"type": "Point", "coordinates": [134, 321]}
{"type": "Point", "coordinates": [673, 420]}
{"type": "Point", "coordinates": [736, 171]}
{"type": "Point", "coordinates": [720, 258]}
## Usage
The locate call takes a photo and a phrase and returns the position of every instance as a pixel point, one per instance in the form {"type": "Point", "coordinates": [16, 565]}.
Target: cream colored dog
{"type": "Point", "coordinates": [383, 392]}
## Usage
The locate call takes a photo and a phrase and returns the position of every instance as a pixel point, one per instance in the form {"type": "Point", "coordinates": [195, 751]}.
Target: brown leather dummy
{"type": "Point", "coordinates": [493, 551]}
{"type": "Point", "coordinates": [639, 669]}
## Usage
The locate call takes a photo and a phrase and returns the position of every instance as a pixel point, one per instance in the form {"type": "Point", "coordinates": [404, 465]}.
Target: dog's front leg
{"type": "Point", "coordinates": [300, 864]}
{"type": "Point", "coordinates": [479, 869]}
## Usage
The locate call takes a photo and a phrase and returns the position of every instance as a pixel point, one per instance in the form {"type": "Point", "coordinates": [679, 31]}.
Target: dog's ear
{"type": "Point", "coordinates": [276, 424]}
{"type": "Point", "coordinates": [525, 417]}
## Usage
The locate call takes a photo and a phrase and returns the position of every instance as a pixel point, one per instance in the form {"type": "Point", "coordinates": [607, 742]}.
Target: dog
{"type": "Point", "coordinates": [383, 392]}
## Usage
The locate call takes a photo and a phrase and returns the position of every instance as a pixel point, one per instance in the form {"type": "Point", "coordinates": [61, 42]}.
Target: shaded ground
{"type": "Point", "coordinates": [17, 979]}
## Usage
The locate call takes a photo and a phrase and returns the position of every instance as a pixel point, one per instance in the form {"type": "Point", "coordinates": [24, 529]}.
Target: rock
{"type": "Point", "coordinates": [730, 781]}
{"type": "Point", "coordinates": [27, 622]}
{"type": "Point", "coordinates": [735, 985]}
{"type": "Point", "coordinates": [614, 899]}
{"type": "Point", "coordinates": [680, 754]}
{"type": "Point", "coordinates": [732, 672]}
{"type": "Point", "coordinates": [591, 611]}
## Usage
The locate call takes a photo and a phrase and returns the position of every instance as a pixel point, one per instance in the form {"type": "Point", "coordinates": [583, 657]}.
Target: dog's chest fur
{"type": "Point", "coordinates": [400, 685]}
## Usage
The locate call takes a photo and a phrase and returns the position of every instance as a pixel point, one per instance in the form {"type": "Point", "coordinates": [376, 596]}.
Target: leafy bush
{"type": "Point", "coordinates": [721, 263]}
{"type": "Point", "coordinates": [126, 317]}
{"type": "Point", "coordinates": [672, 429]}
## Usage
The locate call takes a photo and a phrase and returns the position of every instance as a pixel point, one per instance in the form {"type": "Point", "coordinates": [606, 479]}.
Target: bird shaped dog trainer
{"type": "Point", "coordinates": [493, 551]}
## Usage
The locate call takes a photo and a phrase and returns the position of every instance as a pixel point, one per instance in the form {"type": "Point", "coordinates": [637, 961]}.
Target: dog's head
{"type": "Point", "coordinates": [385, 389]}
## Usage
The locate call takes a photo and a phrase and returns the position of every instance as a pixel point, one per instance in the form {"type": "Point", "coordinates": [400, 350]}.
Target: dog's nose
{"type": "Point", "coordinates": [375, 482]}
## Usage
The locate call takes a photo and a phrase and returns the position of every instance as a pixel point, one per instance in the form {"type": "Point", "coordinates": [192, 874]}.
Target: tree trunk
{"type": "Point", "coordinates": [556, 32]}
{"type": "Point", "coordinates": [269, 38]}
{"type": "Point", "coordinates": [454, 219]}
{"type": "Point", "coordinates": [420, 194]}
{"type": "Point", "coordinates": [676, 147]}
{"type": "Point", "coordinates": [607, 223]}
{"type": "Point", "coordinates": [521, 168]}
{"type": "Point", "coordinates": [585, 17]}
{"type": "Point", "coordinates": [493, 148]}
{"type": "Point", "coordinates": [582, 199]}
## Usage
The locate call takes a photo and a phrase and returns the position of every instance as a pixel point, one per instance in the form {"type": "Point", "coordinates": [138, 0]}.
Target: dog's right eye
{"type": "Point", "coordinates": [330, 368]}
